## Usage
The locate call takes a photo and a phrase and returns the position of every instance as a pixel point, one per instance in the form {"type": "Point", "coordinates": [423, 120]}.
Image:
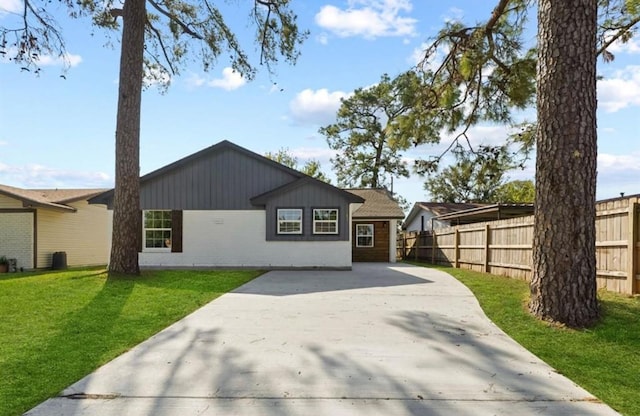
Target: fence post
{"type": "Point", "coordinates": [434, 245]}
{"type": "Point", "coordinates": [487, 238]}
{"type": "Point", "coordinates": [632, 237]}
{"type": "Point", "coordinates": [456, 250]}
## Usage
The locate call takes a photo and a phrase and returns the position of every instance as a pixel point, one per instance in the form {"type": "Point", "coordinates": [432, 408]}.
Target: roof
{"type": "Point", "coordinates": [488, 213]}
{"type": "Point", "coordinates": [263, 198]}
{"type": "Point", "coordinates": [49, 198]}
{"type": "Point", "coordinates": [378, 203]}
{"type": "Point", "coordinates": [107, 195]}
{"type": "Point", "coordinates": [438, 208]}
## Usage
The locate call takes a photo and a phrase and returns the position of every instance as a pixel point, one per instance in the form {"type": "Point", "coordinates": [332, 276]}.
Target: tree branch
{"type": "Point", "coordinates": [621, 32]}
{"type": "Point", "coordinates": [175, 19]}
{"type": "Point", "coordinates": [162, 47]}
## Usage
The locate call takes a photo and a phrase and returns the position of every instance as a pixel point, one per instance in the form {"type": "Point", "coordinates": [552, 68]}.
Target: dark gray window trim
{"type": "Point", "coordinates": [313, 219]}
{"type": "Point", "coordinates": [302, 227]}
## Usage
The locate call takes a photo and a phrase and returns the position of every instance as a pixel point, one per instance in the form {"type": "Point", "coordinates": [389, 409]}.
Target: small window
{"type": "Point", "coordinates": [157, 230]}
{"type": "Point", "coordinates": [325, 221]}
{"type": "Point", "coordinates": [289, 221]}
{"type": "Point", "coordinates": [364, 235]}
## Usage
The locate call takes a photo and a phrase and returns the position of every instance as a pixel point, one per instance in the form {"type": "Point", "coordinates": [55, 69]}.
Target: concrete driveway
{"type": "Point", "coordinates": [382, 339]}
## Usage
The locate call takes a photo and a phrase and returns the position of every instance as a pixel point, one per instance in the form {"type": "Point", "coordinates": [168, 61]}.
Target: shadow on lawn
{"type": "Point", "coordinates": [88, 338]}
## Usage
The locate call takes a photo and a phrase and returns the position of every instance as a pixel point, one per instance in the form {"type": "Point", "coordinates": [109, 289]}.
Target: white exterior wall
{"type": "Point", "coordinates": [238, 239]}
{"type": "Point", "coordinates": [16, 237]}
{"type": "Point", "coordinates": [84, 235]}
{"type": "Point", "coordinates": [416, 223]}
{"type": "Point", "coordinates": [393, 240]}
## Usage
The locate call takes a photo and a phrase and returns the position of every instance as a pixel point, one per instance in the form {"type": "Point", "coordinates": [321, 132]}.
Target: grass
{"type": "Point", "coordinates": [605, 359]}
{"type": "Point", "coordinates": [58, 327]}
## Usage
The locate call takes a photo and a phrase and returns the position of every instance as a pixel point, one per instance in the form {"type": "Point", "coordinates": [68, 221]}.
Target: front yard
{"type": "Point", "coordinates": [605, 359]}
{"type": "Point", "coordinates": [56, 327]}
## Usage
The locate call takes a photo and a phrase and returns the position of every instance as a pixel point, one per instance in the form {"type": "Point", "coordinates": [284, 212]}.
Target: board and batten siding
{"type": "Point", "coordinates": [236, 238]}
{"type": "Point", "coordinates": [308, 198]}
{"type": "Point", "coordinates": [84, 235]}
{"type": "Point", "coordinates": [224, 180]}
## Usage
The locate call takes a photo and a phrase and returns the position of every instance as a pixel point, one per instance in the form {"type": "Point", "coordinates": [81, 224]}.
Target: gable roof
{"type": "Point", "coordinates": [438, 208]}
{"type": "Point", "coordinates": [263, 198]}
{"type": "Point", "coordinates": [107, 196]}
{"type": "Point", "coordinates": [378, 203]}
{"type": "Point", "coordinates": [49, 198]}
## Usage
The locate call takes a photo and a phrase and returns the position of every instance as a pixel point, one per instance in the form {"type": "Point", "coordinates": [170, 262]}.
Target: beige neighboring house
{"type": "Point", "coordinates": [34, 224]}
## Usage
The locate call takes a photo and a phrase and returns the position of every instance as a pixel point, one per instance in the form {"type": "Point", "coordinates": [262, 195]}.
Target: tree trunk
{"type": "Point", "coordinates": [563, 286]}
{"type": "Point", "coordinates": [126, 209]}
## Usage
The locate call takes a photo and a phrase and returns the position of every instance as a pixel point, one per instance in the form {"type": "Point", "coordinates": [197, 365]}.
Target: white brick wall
{"type": "Point", "coordinates": [16, 237]}
{"type": "Point", "coordinates": [237, 239]}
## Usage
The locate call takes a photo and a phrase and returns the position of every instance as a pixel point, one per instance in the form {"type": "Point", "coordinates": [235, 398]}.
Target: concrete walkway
{"type": "Point", "coordinates": [380, 340]}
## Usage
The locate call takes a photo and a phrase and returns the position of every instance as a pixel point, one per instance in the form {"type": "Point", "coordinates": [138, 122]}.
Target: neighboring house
{"type": "Point", "coordinates": [226, 206]}
{"type": "Point", "coordinates": [489, 212]}
{"type": "Point", "coordinates": [375, 225]}
{"type": "Point", "coordinates": [422, 216]}
{"type": "Point", "coordinates": [34, 224]}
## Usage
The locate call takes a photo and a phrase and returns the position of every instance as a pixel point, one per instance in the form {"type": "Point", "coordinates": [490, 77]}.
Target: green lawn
{"type": "Point", "coordinates": [605, 359]}
{"type": "Point", "coordinates": [56, 327]}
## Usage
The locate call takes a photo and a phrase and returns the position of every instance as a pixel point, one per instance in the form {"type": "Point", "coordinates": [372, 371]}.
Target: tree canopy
{"type": "Point", "coordinates": [373, 127]}
{"type": "Point", "coordinates": [311, 167]}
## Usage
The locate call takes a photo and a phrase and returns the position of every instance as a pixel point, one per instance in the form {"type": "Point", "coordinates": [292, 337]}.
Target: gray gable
{"type": "Point", "coordinates": [221, 177]}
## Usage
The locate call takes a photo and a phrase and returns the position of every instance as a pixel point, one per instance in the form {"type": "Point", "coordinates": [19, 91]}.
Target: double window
{"type": "Point", "coordinates": [325, 221]}
{"type": "Point", "coordinates": [157, 229]}
{"type": "Point", "coordinates": [290, 221]}
{"type": "Point", "coordinates": [364, 235]}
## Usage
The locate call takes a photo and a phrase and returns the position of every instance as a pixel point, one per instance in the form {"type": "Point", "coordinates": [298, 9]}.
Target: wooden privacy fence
{"type": "Point", "coordinates": [504, 247]}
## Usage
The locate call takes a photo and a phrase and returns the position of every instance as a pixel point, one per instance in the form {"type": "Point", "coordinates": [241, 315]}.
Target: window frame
{"type": "Point", "coordinates": [315, 222]}
{"type": "Point", "coordinates": [372, 236]}
{"type": "Point", "coordinates": [300, 221]}
{"type": "Point", "coordinates": [164, 249]}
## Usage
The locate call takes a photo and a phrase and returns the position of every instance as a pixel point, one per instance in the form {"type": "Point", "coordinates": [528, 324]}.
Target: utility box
{"type": "Point", "coordinates": [59, 260]}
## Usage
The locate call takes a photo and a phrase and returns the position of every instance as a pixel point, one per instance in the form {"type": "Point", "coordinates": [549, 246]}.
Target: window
{"type": "Point", "coordinates": [289, 221]}
{"type": "Point", "coordinates": [325, 221]}
{"type": "Point", "coordinates": [157, 230]}
{"type": "Point", "coordinates": [364, 235]}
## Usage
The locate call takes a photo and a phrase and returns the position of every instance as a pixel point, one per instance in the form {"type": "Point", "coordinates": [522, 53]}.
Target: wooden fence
{"type": "Point", "coordinates": [504, 247]}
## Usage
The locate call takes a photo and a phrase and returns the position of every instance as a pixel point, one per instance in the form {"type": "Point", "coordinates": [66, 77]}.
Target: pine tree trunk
{"type": "Point", "coordinates": [563, 286]}
{"type": "Point", "coordinates": [126, 209]}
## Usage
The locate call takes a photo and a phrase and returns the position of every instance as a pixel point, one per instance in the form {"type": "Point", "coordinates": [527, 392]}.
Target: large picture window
{"type": "Point", "coordinates": [325, 221]}
{"type": "Point", "coordinates": [289, 221]}
{"type": "Point", "coordinates": [157, 230]}
{"type": "Point", "coordinates": [364, 235]}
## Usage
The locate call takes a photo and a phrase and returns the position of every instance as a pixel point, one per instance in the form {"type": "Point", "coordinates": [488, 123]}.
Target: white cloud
{"type": "Point", "coordinates": [316, 107]}
{"type": "Point", "coordinates": [621, 90]}
{"type": "Point", "coordinates": [368, 18]}
{"type": "Point", "coordinates": [46, 60]}
{"type": "Point", "coordinates": [69, 58]}
{"type": "Point", "coordinates": [230, 80]}
{"type": "Point", "coordinates": [10, 6]}
{"type": "Point", "coordinates": [618, 173]}
{"type": "Point", "coordinates": [632, 46]}
{"type": "Point", "coordinates": [454, 14]}
{"type": "Point", "coordinates": [3, 142]}
{"type": "Point", "coordinates": [322, 154]}
{"type": "Point", "coordinates": [39, 176]}
{"type": "Point", "coordinates": [323, 38]}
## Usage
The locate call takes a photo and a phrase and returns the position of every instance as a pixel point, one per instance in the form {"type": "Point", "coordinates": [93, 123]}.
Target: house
{"type": "Point", "coordinates": [34, 224]}
{"type": "Point", "coordinates": [375, 224]}
{"type": "Point", "coordinates": [226, 206]}
{"type": "Point", "coordinates": [487, 212]}
{"type": "Point", "coordinates": [423, 215]}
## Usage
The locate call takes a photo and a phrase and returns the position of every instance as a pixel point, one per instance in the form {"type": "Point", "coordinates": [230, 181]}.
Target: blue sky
{"type": "Point", "coordinates": [57, 132]}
